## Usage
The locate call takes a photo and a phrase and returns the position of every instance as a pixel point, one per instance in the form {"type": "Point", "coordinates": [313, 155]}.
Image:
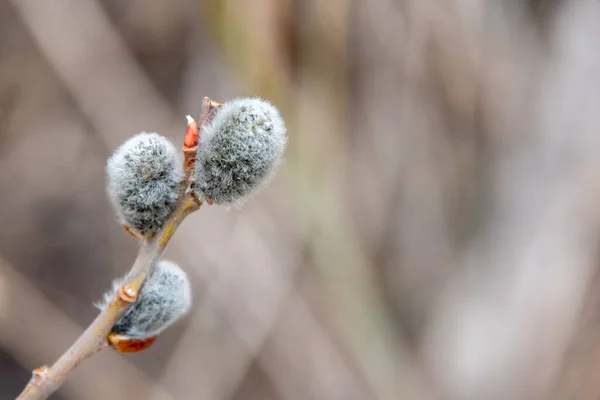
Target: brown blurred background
{"type": "Point", "coordinates": [432, 234]}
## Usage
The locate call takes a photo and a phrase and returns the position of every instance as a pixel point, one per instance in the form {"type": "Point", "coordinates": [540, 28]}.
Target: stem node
{"type": "Point", "coordinates": [39, 374]}
{"type": "Point", "coordinates": [127, 294]}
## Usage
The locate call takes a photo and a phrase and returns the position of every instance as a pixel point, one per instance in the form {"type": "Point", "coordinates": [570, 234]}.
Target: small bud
{"type": "Point", "coordinates": [238, 151]}
{"type": "Point", "coordinates": [143, 181]}
{"type": "Point", "coordinates": [40, 374]}
{"type": "Point", "coordinates": [190, 139]}
{"type": "Point", "coordinates": [125, 344]}
{"type": "Point", "coordinates": [164, 297]}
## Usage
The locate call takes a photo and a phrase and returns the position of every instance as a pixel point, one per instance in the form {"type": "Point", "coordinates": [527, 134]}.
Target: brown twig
{"type": "Point", "coordinates": [193, 132]}
{"type": "Point", "coordinates": [46, 380]}
{"type": "Point", "coordinates": [94, 339]}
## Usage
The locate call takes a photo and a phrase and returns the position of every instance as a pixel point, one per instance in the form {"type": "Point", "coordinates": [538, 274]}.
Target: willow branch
{"type": "Point", "coordinates": [46, 380]}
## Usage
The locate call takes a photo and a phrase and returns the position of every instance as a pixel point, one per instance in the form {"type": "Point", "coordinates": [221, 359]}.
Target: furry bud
{"type": "Point", "coordinates": [164, 297]}
{"type": "Point", "coordinates": [143, 181]}
{"type": "Point", "coordinates": [238, 151]}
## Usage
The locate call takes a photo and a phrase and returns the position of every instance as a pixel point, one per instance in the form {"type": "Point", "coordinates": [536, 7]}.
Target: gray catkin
{"type": "Point", "coordinates": [164, 298]}
{"type": "Point", "coordinates": [239, 150]}
{"type": "Point", "coordinates": [143, 181]}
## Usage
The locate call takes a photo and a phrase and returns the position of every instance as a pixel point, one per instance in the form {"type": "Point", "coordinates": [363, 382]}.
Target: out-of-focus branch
{"type": "Point", "coordinates": [303, 360]}
{"type": "Point", "coordinates": [107, 83]}
{"type": "Point", "coordinates": [382, 360]}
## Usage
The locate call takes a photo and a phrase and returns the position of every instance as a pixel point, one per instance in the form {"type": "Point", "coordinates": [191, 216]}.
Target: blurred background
{"type": "Point", "coordinates": [432, 234]}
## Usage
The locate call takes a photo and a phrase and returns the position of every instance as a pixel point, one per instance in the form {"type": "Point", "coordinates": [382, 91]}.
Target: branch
{"type": "Point", "coordinates": [46, 380]}
{"type": "Point", "coordinates": [19, 336]}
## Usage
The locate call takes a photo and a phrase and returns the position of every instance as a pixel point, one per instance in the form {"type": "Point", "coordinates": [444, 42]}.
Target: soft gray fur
{"type": "Point", "coordinates": [143, 181]}
{"type": "Point", "coordinates": [239, 150]}
{"type": "Point", "coordinates": [164, 298]}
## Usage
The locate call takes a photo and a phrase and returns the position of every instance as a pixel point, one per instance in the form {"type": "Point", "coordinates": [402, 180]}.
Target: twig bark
{"type": "Point", "coordinates": [20, 337]}
{"type": "Point", "coordinates": [46, 380]}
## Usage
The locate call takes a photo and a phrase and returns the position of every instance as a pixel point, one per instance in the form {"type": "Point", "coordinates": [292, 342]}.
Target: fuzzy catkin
{"type": "Point", "coordinates": [164, 298]}
{"type": "Point", "coordinates": [239, 150]}
{"type": "Point", "coordinates": [143, 181]}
